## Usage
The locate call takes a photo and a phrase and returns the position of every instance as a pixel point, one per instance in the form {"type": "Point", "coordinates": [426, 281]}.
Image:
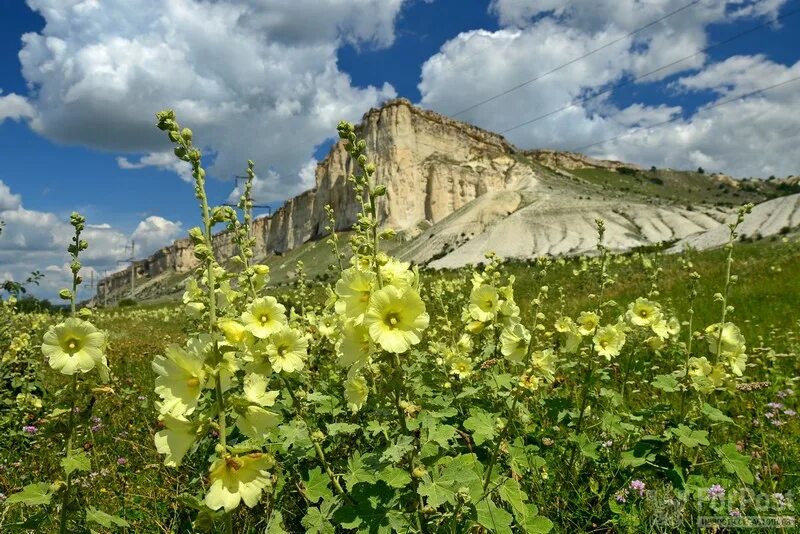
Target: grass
{"type": "Point", "coordinates": [685, 187]}
{"type": "Point", "coordinates": [766, 299]}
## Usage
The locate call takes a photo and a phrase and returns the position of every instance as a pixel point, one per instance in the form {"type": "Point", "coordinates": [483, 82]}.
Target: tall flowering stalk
{"type": "Point", "coordinates": [72, 347]}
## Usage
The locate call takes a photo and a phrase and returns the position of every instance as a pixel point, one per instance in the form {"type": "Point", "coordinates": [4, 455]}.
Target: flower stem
{"type": "Point", "coordinates": [317, 448]}
{"type": "Point", "coordinates": [62, 528]}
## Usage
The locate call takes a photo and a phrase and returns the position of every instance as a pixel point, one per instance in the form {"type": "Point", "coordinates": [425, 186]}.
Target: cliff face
{"type": "Point", "coordinates": [431, 166]}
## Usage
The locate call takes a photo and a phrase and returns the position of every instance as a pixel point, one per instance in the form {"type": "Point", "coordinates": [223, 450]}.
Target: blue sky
{"type": "Point", "coordinates": [270, 83]}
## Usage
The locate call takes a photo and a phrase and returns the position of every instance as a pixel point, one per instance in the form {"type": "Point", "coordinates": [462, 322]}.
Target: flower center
{"type": "Point", "coordinates": [193, 382]}
{"type": "Point", "coordinates": [233, 463]}
{"type": "Point", "coordinates": [264, 319]}
{"type": "Point", "coordinates": [392, 320]}
{"type": "Point", "coordinates": [72, 344]}
{"type": "Point", "coordinates": [364, 296]}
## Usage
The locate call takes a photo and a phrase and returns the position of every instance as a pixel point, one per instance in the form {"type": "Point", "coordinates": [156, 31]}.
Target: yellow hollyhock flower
{"type": "Point", "coordinates": [514, 343]}
{"type": "Point", "coordinates": [181, 376]}
{"type": "Point", "coordinates": [705, 376]}
{"type": "Point", "coordinates": [508, 309]}
{"type": "Point", "coordinates": [570, 335]}
{"type": "Point", "coordinates": [608, 341]}
{"type": "Point", "coordinates": [660, 328]}
{"type": "Point", "coordinates": [484, 302]}
{"type": "Point", "coordinates": [737, 362]}
{"type": "Point", "coordinates": [235, 332]}
{"type": "Point", "coordinates": [255, 390]}
{"type": "Point", "coordinates": [673, 326]}
{"type": "Point", "coordinates": [396, 318]}
{"type": "Point", "coordinates": [587, 323]}
{"type": "Point", "coordinates": [175, 439]}
{"type": "Point", "coordinates": [643, 312]}
{"type": "Point", "coordinates": [74, 346]}
{"type": "Point", "coordinates": [356, 392]}
{"type": "Point", "coordinates": [544, 362]}
{"type": "Point", "coordinates": [238, 478]}
{"type": "Point", "coordinates": [287, 350]}
{"type": "Point", "coordinates": [396, 273]}
{"type": "Point", "coordinates": [461, 367]}
{"type": "Point", "coordinates": [729, 341]}
{"type": "Point", "coordinates": [355, 347]}
{"type": "Point", "coordinates": [264, 316]}
{"type": "Point", "coordinates": [564, 325]}
{"type": "Point", "coordinates": [353, 290]}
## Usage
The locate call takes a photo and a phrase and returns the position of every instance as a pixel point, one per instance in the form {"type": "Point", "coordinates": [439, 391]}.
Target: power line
{"type": "Point", "coordinates": [659, 69]}
{"type": "Point", "coordinates": [575, 60]}
{"type": "Point", "coordinates": [668, 121]}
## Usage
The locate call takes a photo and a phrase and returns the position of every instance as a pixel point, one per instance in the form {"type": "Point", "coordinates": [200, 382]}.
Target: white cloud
{"type": "Point", "coordinates": [538, 37]}
{"type": "Point", "coordinates": [255, 80]}
{"type": "Point", "coordinates": [15, 107]}
{"type": "Point", "coordinates": [36, 240]}
{"type": "Point", "coordinates": [8, 200]}
{"type": "Point", "coordinates": [755, 136]}
{"type": "Point", "coordinates": [161, 160]}
{"type": "Point", "coordinates": [156, 232]}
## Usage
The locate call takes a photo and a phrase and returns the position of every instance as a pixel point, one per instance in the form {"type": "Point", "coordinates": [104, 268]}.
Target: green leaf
{"type": "Point", "coordinates": [334, 429]}
{"type": "Point", "coordinates": [76, 462]}
{"type": "Point", "coordinates": [441, 434]}
{"type": "Point", "coordinates": [437, 492]}
{"type": "Point", "coordinates": [511, 492]}
{"type": "Point", "coordinates": [93, 515]}
{"type": "Point", "coordinates": [316, 487]}
{"type": "Point", "coordinates": [275, 525]}
{"type": "Point", "coordinates": [537, 525]}
{"type": "Point", "coordinates": [358, 471]}
{"type": "Point", "coordinates": [493, 518]}
{"type": "Point", "coordinates": [666, 383]}
{"type": "Point", "coordinates": [396, 451]}
{"type": "Point", "coordinates": [34, 494]}
{"type": "Point", "coordinates": [481, 425]}
{"type": "Point", "coordinates": [294, 434]}
{"type": "Point", "coordinates": [715, 414]}
{"type": "Point", "coordinates": [315, 522]}
{"type": "Point", "coordinates": [588, 448]}
{"type": "Point", "coordinates": [441, 487]}
{"type": "Point", "coordinates": [735, 462]}
{"type": "Point", "coordinates": [690, 438]}
{"type": "Point", "coordinates": [395, 477]}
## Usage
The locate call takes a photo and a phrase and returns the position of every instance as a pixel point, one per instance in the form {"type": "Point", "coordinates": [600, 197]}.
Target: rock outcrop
{"type": "Point", "coordinates": [455, 191]}
{"type": "Point", "coordinates": [776, 216]}
{"type": "Point", "coordinates": [557, 159]}
{"type": "Point", "coordinates": [431, 166]}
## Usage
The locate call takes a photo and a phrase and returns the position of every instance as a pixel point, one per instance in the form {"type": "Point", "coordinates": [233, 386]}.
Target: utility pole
{"type": "Point", "coordinates": [91, 286]}
{"type": "Point", "coordinates": [254, 206]}
{"type": "Point", "coordinates": [132, 261]}
{"type": "Point", "coordinates": [105, 289]}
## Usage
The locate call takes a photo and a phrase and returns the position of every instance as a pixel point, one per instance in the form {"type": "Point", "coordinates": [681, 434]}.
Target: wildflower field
{"type": "Point", "coordinates": [613, 393]}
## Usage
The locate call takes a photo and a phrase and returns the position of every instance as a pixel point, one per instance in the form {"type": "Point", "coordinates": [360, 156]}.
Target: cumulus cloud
{"type": "Point", "coordinates": [8, 200]}
{"type": "Point", "coordinates": [156, 232]}
{"type": "Point", "coordinates": [537, 37]}
{"type": "Point", "coordinates": [160, 160]}
{"type": "Point", "coordinates": [36, 240]}
{"type": "Point", "coordinates": [255, 79]}
{"type": "Point", "coordinates": [753, 136]}
{"type": "Point", "coordinates": [15, 107]}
